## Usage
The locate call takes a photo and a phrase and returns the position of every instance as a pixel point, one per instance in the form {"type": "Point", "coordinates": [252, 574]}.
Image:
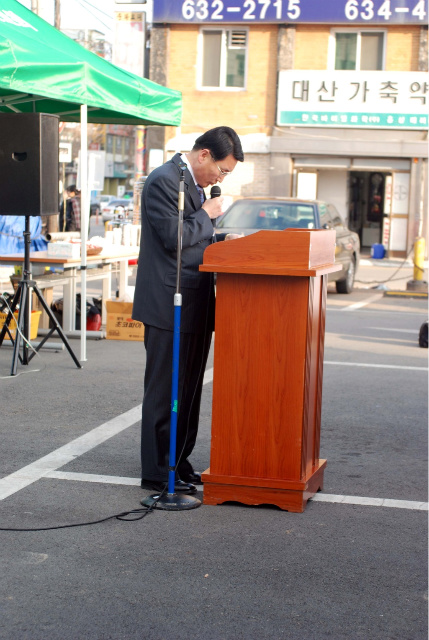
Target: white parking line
{"type": "Point", "coordinates": [371, 502]}
{"type": "Point", "coordinates": [319, 497]}
{"type": "Point", "coordinates": [381, 312]}
{"type": "Point", "coordinates": [92, 477]}
{"type": "Point", "coordinates": [364, 303]}
{"type": "Point", "coordinates": [58, 458]}
{"type": "Point", "coordinates": [413, 331]}
{"type": "Point", "coordinates": [208, 376]}
{"type": "Point", "coordinates": [376, 366]}
{"type": "Point", "coordinates": [49, 464]}
{"type": "Point", "coordinates": [209, 373]}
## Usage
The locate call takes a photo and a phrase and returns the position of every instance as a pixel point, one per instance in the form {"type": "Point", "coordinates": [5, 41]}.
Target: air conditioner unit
{"type": "Point", "coordinates": [237, 39]}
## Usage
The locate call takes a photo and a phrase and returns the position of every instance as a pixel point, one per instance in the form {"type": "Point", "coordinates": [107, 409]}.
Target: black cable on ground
{"type": "Point", "coordinates": [391, 277]}
{"type": "Point", "coordinates": [139, 513]}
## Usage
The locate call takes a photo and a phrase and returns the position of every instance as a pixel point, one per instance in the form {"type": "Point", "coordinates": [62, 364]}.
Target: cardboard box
{"type": "Point", "coordinates": [34, 326]}
{"type": "Point", "coordinates": [64, 250]}
{"type": "Point", "coordinates": [120, 325]}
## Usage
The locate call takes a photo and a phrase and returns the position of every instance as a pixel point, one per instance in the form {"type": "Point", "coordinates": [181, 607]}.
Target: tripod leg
{"type": "Point", "coordinates": [19, 327]}
{"type": "Point", "coordinates": [25, 336]}
{"type": "Point", "coordinates": [56, 325]}
{"type": "Point", "coordinates": [10, 315]}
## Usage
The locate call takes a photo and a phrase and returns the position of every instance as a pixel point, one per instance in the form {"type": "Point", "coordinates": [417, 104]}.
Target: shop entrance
{"type": "Point", "coordinates": [367, 205]}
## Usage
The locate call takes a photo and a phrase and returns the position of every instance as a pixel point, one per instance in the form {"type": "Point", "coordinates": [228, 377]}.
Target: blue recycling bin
{"type": "Point", "coordinates": [378, 251]}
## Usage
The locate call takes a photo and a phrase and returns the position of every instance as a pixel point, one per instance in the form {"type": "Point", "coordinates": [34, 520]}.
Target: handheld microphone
{"type": "Point", "coordinates": [215, 192]}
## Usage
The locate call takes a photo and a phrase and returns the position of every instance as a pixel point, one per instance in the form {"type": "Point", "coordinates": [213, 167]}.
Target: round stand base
{"type": "Point", "coordinates": [417, 285]}
{"type": "Point", "coordinates": [171, 502]}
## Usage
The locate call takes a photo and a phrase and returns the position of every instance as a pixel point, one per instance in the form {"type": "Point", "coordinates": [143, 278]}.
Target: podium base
{"type": "Point", "coordinates": [288, 495]}
{"type": "Point", "coordinates": [171, 502]}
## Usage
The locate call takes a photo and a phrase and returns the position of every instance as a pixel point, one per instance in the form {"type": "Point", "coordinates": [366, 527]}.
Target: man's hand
{"type": "Point", "coordinates": [213, 207]}
{"type": "Point", "coordinates": [234, 236]}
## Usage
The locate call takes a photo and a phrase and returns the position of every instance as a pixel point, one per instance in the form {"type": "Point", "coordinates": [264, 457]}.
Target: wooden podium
{"type": "Point", "coordinates": [268, 367]}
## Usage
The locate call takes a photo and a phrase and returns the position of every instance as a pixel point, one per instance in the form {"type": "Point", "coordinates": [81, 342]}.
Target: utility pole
{"type": "Point", "coordinates": [35, 6]}
{"type": "Point", "coordinates": [53, 221]}
{"type": "Point", "coordinates": [57, 15]}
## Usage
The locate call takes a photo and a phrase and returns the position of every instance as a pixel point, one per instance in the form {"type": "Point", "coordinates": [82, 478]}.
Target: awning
{"type": "Point", "coordinates": [45, 71]}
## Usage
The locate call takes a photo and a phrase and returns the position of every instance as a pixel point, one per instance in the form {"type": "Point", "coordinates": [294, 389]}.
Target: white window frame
{"type": "Point", "coordinates": [200, 50]}
{"type": "Point", "coordinates": [331, 46]}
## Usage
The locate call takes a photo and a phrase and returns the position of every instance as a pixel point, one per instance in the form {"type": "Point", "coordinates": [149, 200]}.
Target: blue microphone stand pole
{"type": "Point", "coordinates": [171, 501]}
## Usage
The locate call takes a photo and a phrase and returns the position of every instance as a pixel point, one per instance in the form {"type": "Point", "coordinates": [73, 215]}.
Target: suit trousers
{"type": "Point", "coordinates": [156, 410]}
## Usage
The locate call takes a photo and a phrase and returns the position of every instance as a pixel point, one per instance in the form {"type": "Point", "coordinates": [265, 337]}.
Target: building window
{"type": "Point", "coordinates": [223, 58]}
{"type": "Point", "coordinates": [109, 144]}
{"type": "Point", "coordinates": [359, 50]}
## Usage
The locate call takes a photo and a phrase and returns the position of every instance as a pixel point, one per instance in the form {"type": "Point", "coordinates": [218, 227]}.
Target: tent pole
{"type": "Point", "coordinates": [83, 223]}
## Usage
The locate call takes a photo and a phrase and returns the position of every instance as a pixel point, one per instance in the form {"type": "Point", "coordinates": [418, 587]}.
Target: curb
{"type": "Point", "coordinates": [406, 294]}
{"type": "Point", "coordinates": [368, 262]}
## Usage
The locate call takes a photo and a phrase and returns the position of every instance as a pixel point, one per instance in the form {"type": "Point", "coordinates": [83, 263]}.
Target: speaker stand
{"type": "Point", "coordinates": [22, 297]}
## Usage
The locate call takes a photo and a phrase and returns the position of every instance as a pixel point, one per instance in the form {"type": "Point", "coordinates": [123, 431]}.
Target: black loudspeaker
{"type": "Point", "coordinates": [29, 164]}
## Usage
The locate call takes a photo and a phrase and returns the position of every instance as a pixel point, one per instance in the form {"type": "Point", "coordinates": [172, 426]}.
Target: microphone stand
{"type": "Point", "coordinates": [171, 501]}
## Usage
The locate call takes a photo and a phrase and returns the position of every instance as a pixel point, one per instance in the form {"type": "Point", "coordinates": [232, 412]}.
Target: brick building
{"type": "Point", "coordinates": [330, 101]}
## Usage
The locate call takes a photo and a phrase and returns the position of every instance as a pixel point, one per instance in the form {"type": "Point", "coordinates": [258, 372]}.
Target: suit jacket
{"type": "Point", "coordinates": [157, 266]}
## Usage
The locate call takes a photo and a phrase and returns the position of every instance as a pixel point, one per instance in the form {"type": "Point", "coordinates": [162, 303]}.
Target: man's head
{"type": "Point", "coordinates": [215, 154]}
{"type": "Point", "coordinates": [72, 191]}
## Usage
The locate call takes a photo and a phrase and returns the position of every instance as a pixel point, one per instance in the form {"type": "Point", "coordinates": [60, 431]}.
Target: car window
{"type": "Point", "coordinates": [241, 214]}
{"type": "Point", "coordinates": [269, 215]}
{"type": "Point", "coordinates": [325, 216]}
{"type": "Point", "coordinates": [337, 219]}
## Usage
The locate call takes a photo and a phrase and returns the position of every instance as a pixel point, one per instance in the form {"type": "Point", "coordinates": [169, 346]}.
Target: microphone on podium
{"type": "Point", "coordinates": [215, 192]}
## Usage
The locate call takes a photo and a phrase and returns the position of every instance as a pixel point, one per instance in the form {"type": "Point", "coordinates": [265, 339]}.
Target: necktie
{"type": "Point", "coordinates": [201, 193]}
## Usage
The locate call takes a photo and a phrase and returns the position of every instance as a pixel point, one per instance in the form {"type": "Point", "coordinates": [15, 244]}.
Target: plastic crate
{"type": "Point", "coordinates": [34, 327]}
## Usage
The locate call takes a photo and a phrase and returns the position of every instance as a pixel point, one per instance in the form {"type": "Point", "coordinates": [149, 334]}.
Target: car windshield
{"type": "Point", "coordinates": [119, 203]}
{"type": "Point", "coordinates": [269, 215]}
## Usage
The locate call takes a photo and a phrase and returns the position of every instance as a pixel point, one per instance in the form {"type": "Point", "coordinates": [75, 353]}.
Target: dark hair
{"type": "Point", "coordinates": [222, 142]}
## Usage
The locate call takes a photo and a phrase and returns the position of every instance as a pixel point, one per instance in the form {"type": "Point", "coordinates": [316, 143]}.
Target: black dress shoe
{"type": "Point", "coordinates": [193, 477]}
{"type": "Point", "coordinates": [179, 486]}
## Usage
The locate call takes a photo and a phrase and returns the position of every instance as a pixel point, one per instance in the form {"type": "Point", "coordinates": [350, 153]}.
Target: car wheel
{"type": "Point", "coordinates": [346, 285]}
{"type": "Point", "coordinates": [423, 335]}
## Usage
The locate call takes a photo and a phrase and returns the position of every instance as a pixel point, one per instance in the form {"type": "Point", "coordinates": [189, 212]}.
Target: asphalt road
{"type": "Point", "coordinates": [352, 566]}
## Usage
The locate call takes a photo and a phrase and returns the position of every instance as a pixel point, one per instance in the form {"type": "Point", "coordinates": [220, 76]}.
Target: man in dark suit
{"type": "Point", "coordinates": [213, 157]}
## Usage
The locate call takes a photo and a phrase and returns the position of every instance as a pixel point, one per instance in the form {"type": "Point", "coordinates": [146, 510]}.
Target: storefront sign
{"type": "Point", "coordinates": [362, 99]}
{"type": "Point", "coordinates": [96, 167]}
{"type": "Point", "coordinates": [386, 232]}
{"type": "Point", "coordinates": [292, 11]}
{"type": "Point", "coordinates": [65, 152]}
{"type": "Point", "coordinates": [388, 195]}
{"type": "Point", "coordinates": [129, 43]}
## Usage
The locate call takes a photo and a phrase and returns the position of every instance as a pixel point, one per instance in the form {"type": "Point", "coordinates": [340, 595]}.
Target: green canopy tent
{"type": "Point", "coordinates": [44, 71]}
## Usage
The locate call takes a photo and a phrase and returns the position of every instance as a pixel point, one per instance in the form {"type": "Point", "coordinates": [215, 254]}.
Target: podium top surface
{"type": "Point", "coordinates": [300, 252]}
